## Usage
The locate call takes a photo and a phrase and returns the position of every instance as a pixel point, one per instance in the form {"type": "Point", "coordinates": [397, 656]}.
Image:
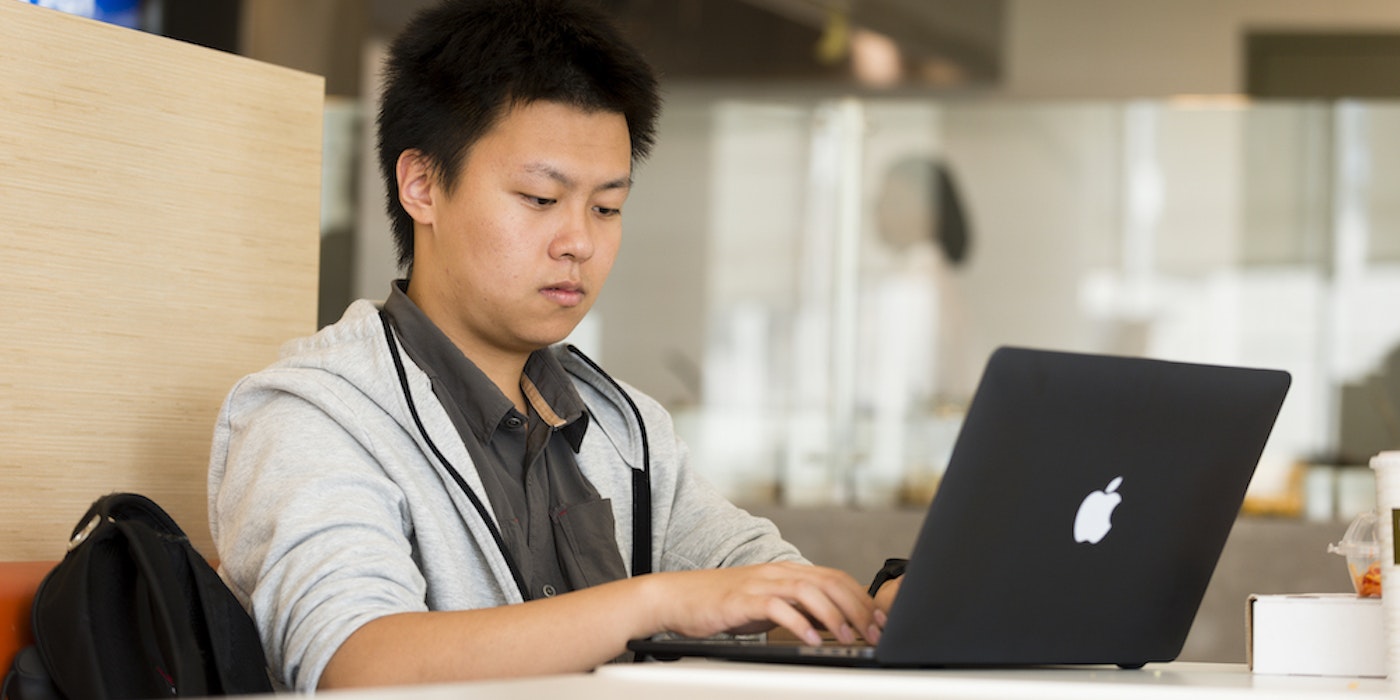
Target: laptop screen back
{"type": "Point", "coordinates": [1083, 510]}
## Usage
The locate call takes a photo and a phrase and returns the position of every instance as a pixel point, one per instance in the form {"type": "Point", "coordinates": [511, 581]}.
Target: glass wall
{"type": "Point", "coordinates": [812, 286]}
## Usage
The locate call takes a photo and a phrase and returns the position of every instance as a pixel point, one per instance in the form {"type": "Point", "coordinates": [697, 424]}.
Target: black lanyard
{"type": "Point", "coordinates": [641, 478]}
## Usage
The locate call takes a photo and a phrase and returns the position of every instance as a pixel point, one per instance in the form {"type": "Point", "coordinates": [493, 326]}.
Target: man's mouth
{"type": "Point", "coordinates": [564, 294]}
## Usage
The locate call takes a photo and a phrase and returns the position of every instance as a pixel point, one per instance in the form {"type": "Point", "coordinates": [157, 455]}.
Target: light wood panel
{"type": "Point", "coordinates": [159, 235]}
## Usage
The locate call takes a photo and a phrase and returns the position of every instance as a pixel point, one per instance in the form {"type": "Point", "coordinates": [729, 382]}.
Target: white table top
{"type": "Point", "coordinates": [687, 680]}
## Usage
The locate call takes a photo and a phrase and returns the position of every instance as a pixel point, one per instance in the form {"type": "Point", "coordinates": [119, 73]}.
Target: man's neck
{"type": "Point", "coordinates": [504, 368]}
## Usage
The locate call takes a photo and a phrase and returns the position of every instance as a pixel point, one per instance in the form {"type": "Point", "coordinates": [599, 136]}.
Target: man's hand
{"type": "Point", "coordinates": [798, 597]}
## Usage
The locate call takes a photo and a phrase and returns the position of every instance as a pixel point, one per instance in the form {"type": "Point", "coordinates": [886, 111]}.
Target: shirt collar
{"type": "Point", "coordinates": [554, 397]}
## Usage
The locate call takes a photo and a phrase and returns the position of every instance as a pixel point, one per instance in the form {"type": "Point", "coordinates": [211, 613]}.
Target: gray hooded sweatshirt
{"type": "Point", "coordinates": [328, 508]}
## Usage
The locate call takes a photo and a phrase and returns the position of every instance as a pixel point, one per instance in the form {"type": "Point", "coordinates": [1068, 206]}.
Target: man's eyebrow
{"type": "Point", "coordinates": [563, 178]}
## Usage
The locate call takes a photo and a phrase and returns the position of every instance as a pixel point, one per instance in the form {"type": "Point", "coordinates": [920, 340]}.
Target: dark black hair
{"type": "Point", "coordinates": [458, 67]}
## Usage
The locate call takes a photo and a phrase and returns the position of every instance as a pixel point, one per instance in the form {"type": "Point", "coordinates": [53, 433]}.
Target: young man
{"type": "Point", "coordinates": [430, 489]}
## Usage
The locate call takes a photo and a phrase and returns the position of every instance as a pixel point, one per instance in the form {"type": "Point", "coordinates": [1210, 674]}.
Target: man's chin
{"type": "Point", "coordinates": [554, 336]}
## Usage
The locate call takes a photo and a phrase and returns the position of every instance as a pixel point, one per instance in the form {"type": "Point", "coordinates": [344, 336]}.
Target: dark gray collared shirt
{"type": "Point", "coordinates": [556, 527]}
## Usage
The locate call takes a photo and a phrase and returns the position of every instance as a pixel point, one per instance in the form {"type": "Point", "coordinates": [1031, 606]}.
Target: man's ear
{"type": "Point", "coordinates": [415, 176]}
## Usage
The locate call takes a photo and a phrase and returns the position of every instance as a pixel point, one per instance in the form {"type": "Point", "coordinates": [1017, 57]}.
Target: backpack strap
{"type": "Point", "coordinates": [167, 633]}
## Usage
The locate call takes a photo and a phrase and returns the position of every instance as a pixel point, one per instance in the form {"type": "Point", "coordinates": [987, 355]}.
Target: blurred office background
{"type": "Point", "coordinates": [854, 201]}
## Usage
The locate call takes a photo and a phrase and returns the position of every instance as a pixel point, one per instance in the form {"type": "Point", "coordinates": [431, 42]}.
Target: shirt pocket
{"type": "Point", "coordinates": [587, 543]}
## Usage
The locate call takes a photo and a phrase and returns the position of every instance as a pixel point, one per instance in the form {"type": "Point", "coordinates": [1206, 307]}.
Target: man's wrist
{"type": "Point", "coordinates": [647, 595]}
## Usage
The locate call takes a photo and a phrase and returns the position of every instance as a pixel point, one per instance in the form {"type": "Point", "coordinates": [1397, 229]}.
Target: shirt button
{"type": "Point", "coordinates": [549, 591]}
{"type": "Point", "coordinates": [514, 422]}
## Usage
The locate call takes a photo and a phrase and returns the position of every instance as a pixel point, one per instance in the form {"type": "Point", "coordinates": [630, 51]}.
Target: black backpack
{"type": "Point", "coordinates": [133, 611]}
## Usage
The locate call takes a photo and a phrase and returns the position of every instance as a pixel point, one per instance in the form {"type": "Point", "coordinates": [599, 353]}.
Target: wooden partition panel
{"type": "Point", "coordinates": [159, 207]}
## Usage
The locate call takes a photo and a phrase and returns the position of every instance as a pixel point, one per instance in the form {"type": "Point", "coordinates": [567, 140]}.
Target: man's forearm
{"type": "Point", "coordinates": [580, 630]}
{"type": "Point", "coordinates": [573, 632]}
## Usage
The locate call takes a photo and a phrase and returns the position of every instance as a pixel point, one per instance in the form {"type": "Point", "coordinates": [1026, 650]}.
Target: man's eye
{"type": "Point", "coordinates": [607, 211]}
{"type": "Point", "coordinates": [539, 201]}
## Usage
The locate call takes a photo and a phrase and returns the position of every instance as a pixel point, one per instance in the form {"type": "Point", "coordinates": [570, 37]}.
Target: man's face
{"type": "Point", "coordinates": [513, 257]}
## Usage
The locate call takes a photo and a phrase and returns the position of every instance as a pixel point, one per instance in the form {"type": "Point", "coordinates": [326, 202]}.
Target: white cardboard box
{"type": "Point", "coordinates": [1315, 634]}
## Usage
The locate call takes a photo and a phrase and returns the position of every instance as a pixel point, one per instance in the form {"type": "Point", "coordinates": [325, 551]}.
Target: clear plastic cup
{"type": "Point", "coordinates": [1361, 546]}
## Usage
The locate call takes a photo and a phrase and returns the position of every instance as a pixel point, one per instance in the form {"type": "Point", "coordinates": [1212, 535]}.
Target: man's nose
{"type": "Point", "coordinates": [574, 237]}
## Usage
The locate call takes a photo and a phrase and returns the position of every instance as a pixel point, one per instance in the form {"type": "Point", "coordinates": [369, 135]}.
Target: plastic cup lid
{"type": "Point", "coordinates": [1360, 538]}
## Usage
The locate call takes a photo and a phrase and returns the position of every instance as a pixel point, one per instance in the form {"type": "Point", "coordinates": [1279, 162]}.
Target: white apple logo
{"type": "Point", "coordinates": [1092, 521]}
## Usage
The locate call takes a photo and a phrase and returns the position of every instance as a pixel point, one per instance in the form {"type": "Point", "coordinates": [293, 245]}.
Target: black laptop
{"type": "Point", "coordinates": [1083, 510]}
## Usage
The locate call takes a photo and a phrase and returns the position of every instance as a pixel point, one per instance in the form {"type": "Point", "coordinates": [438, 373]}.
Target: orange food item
{"type": "Point", "coordinates": [1368, 584]}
